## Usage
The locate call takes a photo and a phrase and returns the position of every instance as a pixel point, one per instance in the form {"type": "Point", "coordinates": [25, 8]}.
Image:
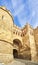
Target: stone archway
{"type": "Point", "coordinates": [17, 45]}
{"type": "Point", "coordinates": [17, 42]}
{"type": "Point", "coordinates": [15, 53]}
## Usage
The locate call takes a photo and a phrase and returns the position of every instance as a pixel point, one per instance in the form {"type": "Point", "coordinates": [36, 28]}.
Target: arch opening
{"type": "Point", "coordinates": [15, 53]}
{"type": "Point", "coordinates": [17, 42]}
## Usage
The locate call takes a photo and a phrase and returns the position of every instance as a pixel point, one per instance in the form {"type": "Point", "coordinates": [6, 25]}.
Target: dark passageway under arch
{"type": "Point", "coordinates": [15, 53]}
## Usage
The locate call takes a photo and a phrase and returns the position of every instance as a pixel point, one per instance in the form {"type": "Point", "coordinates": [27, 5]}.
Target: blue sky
{"type": "Point", "coordinates": [23, 11]}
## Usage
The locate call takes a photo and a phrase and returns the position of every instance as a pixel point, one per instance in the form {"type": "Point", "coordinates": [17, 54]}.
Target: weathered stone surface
{"type": "Point", "coordinates": [16, 42]}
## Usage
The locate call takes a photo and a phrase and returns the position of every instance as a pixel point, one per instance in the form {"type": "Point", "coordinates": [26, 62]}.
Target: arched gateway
{"type": "Point", "coordinates": [15, 42]}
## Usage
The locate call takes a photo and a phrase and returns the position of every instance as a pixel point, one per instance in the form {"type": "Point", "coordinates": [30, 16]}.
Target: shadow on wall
{"type": "Point", "coordinates": [19, 56]}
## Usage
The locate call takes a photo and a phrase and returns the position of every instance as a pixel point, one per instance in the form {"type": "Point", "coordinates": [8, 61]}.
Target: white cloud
{"type": "Point", "coordinates": [33, 6]}
{"type": "Point", "coordinates": [35, 24]}
{"type": "Point", "coordinates": [21, 13]}
{"type": "Point", "coordinates": [17, 6]}
{"type": "Point", "coordinates": [19, 10]}
{"type": "Point", "coordinates": [22, 21]}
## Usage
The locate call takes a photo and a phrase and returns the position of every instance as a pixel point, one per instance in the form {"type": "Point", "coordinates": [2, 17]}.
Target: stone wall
{"type": "Point", "coordinates": [24, 40]}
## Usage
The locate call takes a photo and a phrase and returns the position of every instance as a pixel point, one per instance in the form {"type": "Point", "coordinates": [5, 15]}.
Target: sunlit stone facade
{"type": "Point", "coordinates": [16, 42]}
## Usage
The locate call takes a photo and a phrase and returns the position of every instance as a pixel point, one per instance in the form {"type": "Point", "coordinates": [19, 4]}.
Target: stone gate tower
{"type": "Point", "coordinates": [16, 42]}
